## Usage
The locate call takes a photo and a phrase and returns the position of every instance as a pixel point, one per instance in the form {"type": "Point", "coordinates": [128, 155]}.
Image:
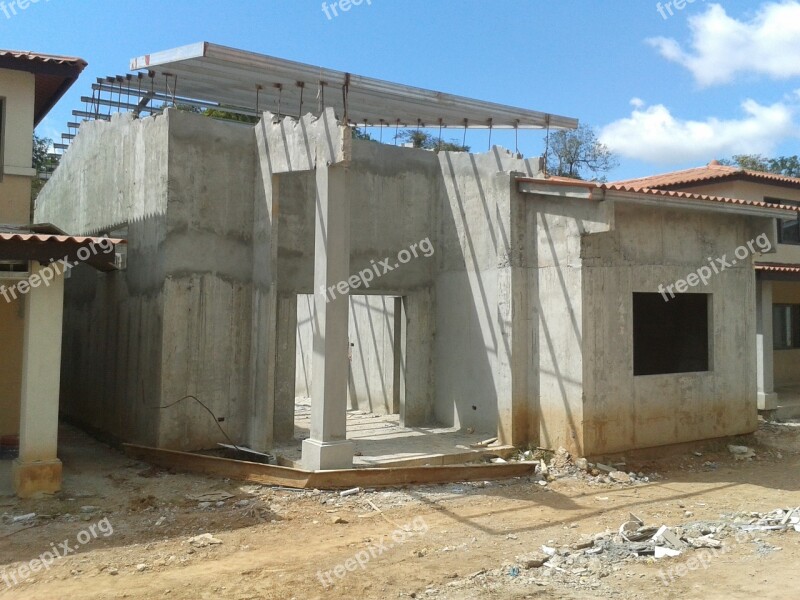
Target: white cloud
{"type": "Point", "coordinates": [723, 47]}
{"type": "Point", "coordinates": [653, 134]}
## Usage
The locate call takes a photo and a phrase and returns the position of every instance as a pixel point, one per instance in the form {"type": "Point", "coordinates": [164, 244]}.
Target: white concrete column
{"type": "Point", "coordinates": [767, 398]}
{"type": "Point", "coordinates": [38, 469]}
{"type": "Point", "coordinates": [328, 448]}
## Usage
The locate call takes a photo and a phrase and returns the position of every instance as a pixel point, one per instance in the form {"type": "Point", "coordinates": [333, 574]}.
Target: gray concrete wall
{"type": "Point", "coordinates": [647, 248]}
{"type": "Point", "coordinates": [479, 301]}
{"type": "Point", "coordinates": [115, 174]}
{"type": "Point", "coordinates": [177, 321]}
{"type": "Point", "coordinates": [371, 381]}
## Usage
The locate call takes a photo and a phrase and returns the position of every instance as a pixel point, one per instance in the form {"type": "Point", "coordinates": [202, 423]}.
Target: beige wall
{"type": "Point", "coordinates": [11, 335]}
{"type": "Point", "coordinates": [786, 362]}
{"type": "Point", "coordinates": [17, 89]}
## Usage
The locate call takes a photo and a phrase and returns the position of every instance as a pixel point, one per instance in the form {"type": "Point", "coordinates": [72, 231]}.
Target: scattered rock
{"type": "Point", "coordinates": [203, 540]}
{"type": "Point", "coordinates": [619, 477]}
{"type": "Point", "coordinates": [338, 520]}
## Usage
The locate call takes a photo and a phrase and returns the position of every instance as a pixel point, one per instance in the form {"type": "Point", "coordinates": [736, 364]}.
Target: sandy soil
{"type": "Point", "coordinates": [462, 540]}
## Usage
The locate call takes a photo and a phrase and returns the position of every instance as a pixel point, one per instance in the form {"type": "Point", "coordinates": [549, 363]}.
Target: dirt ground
{"type": "Point", "coordinates": [126, 528]}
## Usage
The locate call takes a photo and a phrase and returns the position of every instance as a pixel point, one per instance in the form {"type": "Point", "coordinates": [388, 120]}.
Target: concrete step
{"type": "Point", "coordinates": [787, 412]}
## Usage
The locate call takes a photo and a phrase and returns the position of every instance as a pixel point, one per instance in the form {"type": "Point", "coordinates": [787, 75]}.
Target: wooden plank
{"type": "Point", "coordinates": [330, 480]}
{"type": "Point", "coordinates": [221, 467]}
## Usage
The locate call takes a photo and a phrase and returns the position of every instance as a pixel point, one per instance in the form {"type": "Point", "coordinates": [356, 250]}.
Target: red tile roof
{"type": "Point", "coordinates": [713, 171]}
{"type": "Point", "coordinates": [54, 76]}
{"type": "Point", "coordinates": [45, 247]}
{"type": "Point", "coordinates": [44, 58]}
{"type": "Point", "coordinates": [635, 189]}
{"type": "Point", "coordinates": [777, 268]}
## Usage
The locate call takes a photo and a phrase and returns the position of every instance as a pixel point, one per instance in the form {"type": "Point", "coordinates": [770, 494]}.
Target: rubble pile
{"type": "Point", "coordinates": [560, 464]}
{"type": "Point", "coordinates": [585, 563]}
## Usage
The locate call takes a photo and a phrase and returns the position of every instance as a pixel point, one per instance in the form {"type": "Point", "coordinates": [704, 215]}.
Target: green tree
{"type": "Point", "coordinates": [421, 139]}
{"type": "Point", "coordinates": [577, 153]}
{"type": "Point", "coordinates": [780, 165]}
{"type": "Point", "coordinates": [42, 163]}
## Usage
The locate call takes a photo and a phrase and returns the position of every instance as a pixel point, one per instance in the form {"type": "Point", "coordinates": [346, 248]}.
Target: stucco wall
{"type": "Point", "coordinates": [17, 91]}
{"type": "Point", "coordinates": [786, 362]}
{"type": "Point", "coordinates": [11, 333]}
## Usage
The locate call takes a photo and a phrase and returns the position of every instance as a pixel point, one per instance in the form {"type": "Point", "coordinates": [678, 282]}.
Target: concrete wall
{"type": "Point", "coordinates": [176, 322]}
{"type": "Point", "coordinates": [647, 248]}
{"type": "Point", "coordinates": [749, 190]}
{"type": "Point", "coordinates": [371, 381]}
{"type": "Point", "coordinates": [114, 175]}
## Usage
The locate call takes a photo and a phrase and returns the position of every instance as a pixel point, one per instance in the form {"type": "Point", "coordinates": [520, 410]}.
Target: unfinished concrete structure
{"type": "Point", "coordinates": [532, 319]}
{"type": "Point", "coordinates": [778, 274]}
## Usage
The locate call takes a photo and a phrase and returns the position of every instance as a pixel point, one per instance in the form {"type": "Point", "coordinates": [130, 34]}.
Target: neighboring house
{"type": "Point", "coordinates": [31, 290]}
{"type": "Point", "coordinates": [538, 318]}
{"type": "Point", "coordinates": [778, 273]}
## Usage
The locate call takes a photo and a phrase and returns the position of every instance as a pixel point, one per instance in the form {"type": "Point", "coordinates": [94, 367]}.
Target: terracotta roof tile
{"type": "Point", "coordinates": [710, 172]}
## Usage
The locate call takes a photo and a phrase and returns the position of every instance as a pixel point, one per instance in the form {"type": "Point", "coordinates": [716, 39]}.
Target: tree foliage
{"type": "Point", "coordinates": [426, 141]}
{"type": "Point", "coordinates": [577, 153]}
{"type": "Point", "coordinates": [780, 165]}
{"type": "Point", "coordinates": [42, 162]}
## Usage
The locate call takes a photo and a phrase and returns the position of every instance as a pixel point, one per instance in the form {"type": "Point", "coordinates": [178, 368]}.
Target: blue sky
{"type": "Point", "coordinates": [664, 91]}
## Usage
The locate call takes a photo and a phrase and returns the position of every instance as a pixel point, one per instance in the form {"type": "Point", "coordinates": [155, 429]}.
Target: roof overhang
{"type": "Point", "coordinates": [239, 79]}
{"type": "Point", "coordinates": [651, 197]}
{"type": "Point", "coordinates": [98, 252]}
{"type": "Point", "coordinates": [54, 75]}
{"type": "Point", "coordinates": [778, 271]}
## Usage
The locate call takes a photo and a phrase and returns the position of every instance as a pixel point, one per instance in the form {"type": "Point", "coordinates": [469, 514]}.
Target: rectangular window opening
{"type": "Point", "coordinates": [786, 326]}
{"type": "Point", "coordinates": [788, 229]}
{"type": "Point", "coordinates": [670, 336]}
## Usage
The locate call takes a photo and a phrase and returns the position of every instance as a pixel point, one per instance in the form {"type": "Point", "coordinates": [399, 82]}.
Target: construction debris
{"type": "Point", "coordinates": [583, 564]}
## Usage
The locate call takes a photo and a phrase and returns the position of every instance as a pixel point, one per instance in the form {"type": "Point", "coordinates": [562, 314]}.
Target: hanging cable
{"type": "Point", "coordinates": [516, 137]}
{"type": "Point", "coordinates": [546, 143]}
{"type": "Point", "coordinates": [382, 123]}
{"type": "Point", "coordinates": [440, 134]}
{"type": "Point", "coordinates": [466, 124]}
{"type": "Point", "coordinates": [258, 103]}
{"type": "Point", "coordinates": [490, 134]}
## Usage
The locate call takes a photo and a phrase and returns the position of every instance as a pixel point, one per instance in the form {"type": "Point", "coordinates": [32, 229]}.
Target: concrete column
{"type": "Point", "coordinates": [328, 448]}
{"type": "Point", "coordinates": [286, 342]}
{"type": "Point", "coordinates": [419, 325]}
{"type": "Point", "coordinates": [767, 398]}
{"type": "Point", "coordinates": [38, 469]}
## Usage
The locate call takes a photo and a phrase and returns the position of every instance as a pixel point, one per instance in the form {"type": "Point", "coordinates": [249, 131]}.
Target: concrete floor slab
{"type": "Point", "coordinates": [381, 441]}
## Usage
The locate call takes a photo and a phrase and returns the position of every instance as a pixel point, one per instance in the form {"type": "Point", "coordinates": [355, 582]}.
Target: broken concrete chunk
{"type": "Point", "coordinates": [665, 537]}
{"type": "Point", "coordinates": [605, 468]}
{"type": "Point", "coordinates": [582, 464]}
{"type": "Point", "coordinates": [741, 452]}
{"type": "Point", "coordinates": [203, 540]}
{"type": "Point", "coordinates": [619, 477]}
{"type": "Point", "coordinates": [704, 542]}
{"type": "Point", "coordinates": [662, 552]}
